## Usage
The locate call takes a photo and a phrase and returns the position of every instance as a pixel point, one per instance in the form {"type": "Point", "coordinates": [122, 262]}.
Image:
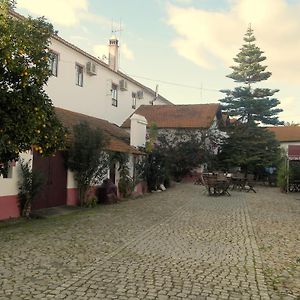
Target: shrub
{"type": "Point", "coordinates": [29, 187]}
{"type": "Point", "coordinates": [282, 176]}
{"type": "Point", "coordinates": [86, 158]}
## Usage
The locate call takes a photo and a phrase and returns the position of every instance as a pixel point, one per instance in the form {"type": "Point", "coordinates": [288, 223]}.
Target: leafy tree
{"type": "Point", "coordinates": [27, 117]}
{"type": "Point", "coordinates": [86, 157]}
{"type": "Point", "coordinates": [152, 166]}
{"type": "Point", "coordinates": [249, 147]}
{"type": "Point", "coordinates": [182, 152]}
{"type": "Point", "coordinates": [247, 103]}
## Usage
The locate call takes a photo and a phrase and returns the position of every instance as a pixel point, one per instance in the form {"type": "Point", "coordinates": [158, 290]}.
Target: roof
{"type": "Point", "coordinates": [118, 137]}
{"type": "Point", "coordinates": [99, 61]}
{"type": "Point", "coordinates": [178, 116]}
{"type": "Point", "coordinates": [294, 152]}
{"type": "Point", "coordinates": [286, 133]}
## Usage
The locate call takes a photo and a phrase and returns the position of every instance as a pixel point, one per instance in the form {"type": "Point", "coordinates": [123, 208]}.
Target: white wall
{"type": "Point", "coordinates": [138, 130]}
{"type": "Point", "coordinates": [285, 145]}
{"type": "Point", "coordinates": [9, 186]}
{"type": "Point", "coordinates": [94, 98]}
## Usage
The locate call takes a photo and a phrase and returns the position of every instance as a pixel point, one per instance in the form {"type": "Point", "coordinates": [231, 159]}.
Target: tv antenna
{"type": "Point", "coordinates": [116, 28]}
{"type": "Point", "coordinates": [155, 95]}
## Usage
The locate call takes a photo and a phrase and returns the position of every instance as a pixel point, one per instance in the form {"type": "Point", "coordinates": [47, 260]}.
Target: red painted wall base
{"type": "Point", "coordinates": [9, 207]}
{"type": "Point", "coordinates": [72, 196]}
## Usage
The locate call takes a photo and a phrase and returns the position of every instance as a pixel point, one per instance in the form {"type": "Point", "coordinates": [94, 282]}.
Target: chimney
{"type": "Point", "coordinates": [113, 56]}
{"type": "Point", "coordinates": [138, 130]}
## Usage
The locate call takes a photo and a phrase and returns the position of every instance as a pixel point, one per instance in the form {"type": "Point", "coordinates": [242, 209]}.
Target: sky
{"type": "Point", "coordinates": [186, 47]}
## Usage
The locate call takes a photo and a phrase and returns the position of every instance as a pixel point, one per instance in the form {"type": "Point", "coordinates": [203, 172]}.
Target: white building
{"type": "Point", "coordinates": [85, 84]}
{"type": "Point", "coordinates": [83, 88]}
{"type": "Point", "coordinates": [286, 135]}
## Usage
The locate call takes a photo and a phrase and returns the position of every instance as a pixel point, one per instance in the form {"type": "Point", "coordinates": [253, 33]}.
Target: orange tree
{"type": "Point", "coordinates": [27, 116]}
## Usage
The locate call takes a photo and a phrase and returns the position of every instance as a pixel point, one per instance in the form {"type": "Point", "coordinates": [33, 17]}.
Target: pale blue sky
{"type": "Point", "coordinates": [189, 42]}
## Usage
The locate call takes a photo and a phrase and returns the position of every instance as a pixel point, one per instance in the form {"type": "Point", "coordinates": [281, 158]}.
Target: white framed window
{"type": "Point", "coordinates": [133, 95]}
{"type": "Point", "coordinates": [114, 94]}
{"type": "Point", "coordinates": [79, 75]}
{"type": "Point", "coordinates": [53, 63]}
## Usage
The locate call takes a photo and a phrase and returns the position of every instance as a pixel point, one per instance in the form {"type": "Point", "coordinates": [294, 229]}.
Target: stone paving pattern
{"type": "Point", "coordinates": [178, 244]}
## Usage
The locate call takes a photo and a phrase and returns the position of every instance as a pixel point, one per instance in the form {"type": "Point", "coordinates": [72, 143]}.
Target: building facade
{"type": "Point", "coordinates": [286, 135]}
{"type": "Point", "coordinates": [83, 83]}
{"type": "Point", "coordinates": [60, 187]}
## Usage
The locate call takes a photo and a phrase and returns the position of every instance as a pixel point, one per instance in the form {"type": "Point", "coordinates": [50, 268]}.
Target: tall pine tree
{"type": "Point", "coordinates": [249, 146]}
{"type": "Point", "coordinates": [245, 102]}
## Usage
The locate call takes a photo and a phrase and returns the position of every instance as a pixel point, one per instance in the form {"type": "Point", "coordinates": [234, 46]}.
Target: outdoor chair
{"type": "Point", "coordinates": [238, 181]}
{"type": "Point", "coordinates": [250, 182]}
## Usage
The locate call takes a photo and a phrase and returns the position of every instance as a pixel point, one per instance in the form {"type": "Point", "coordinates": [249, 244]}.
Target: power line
{"type": "Point", "coordinates": [175, 83]}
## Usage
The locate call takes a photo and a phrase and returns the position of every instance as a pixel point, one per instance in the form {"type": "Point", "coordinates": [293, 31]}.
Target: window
{"type": "Point", "coordinates": [114, 95]}
{"type": "Point", "coordinates": [79, 75]}
{"type": "Point", "coordinates": [133, 100]}
{"type": "Point", "coordinates": [53, 63]}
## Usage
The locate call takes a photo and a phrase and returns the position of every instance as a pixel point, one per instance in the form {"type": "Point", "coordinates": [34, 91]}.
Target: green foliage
{"type": "Point", "coordinates": [250, 147]}
{"type": "Point", "coordinates": [126, 182]}
{"type": "Point", "coordinates": [152, 167]}
{"type": "Point", "coordinates": [245, 102]}
{"type": "Point", "coordinates": [26, 113]}
{"type": "Point", "coordinates": [282, 175]}
{"type": "Point", "coordinates": [294, 167]}
{"type": "Point", "coordinates": [152, 137]}
{"type": "Point", "coordinates": [182, 152]}
{"type": "Point", "coordinates": [91, 202]}
{"type": "Point", "coordinates": [170, 156]}
{"type": "Point", "coordinates": [249, 70]}
{"type": "Point", "coordinates": [86, 157]}
{"type": "Point", "coordinates": [30, 185]}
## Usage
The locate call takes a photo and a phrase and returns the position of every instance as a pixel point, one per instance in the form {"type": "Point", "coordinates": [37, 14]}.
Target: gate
{"type": "Point", "coordinates": [54, 191]}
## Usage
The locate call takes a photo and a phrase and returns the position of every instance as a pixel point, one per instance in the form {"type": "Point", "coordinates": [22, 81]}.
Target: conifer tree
{"type": "Point", "coordinates": [245, 102]}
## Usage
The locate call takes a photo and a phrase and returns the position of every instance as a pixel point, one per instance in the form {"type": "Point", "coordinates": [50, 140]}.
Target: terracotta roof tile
{"type": "Point", "coordinates": [286, 133]}
{"type": "Point", "coordinates": [178, 116]}
{"type": "Point", "coordinates": [120, 146]}
{"type": "Point", "coordinates": [70, 118]}
{"type": "Point", "coordinates": [118, 137]}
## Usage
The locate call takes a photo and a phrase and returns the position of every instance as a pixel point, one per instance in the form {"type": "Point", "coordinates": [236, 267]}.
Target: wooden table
{"type": "Point", "coordinates": [215, 186]}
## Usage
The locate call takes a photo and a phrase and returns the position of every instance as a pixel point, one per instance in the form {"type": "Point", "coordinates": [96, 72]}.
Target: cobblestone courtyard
{"type": "Point", "coordinates": [178, 244]}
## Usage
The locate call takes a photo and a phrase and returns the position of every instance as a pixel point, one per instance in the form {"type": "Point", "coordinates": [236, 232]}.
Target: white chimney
{"type": "Point", "coordinates": [138, 130]}
{"type": "Point", "coordinates": [113, 56]}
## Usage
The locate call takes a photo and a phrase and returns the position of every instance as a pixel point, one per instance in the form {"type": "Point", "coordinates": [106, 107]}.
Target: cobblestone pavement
{"type": "Point", "coordinates": [178, 244]}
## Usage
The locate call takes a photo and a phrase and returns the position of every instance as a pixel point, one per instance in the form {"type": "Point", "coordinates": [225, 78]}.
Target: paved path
{"type": "Point", "coordinates": [179, 244]}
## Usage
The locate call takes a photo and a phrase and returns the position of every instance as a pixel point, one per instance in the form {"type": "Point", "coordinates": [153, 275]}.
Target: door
{"type": "Point", "coordinates": [54, 191]}
{"type": "Point", "coordinates": [112, 172]}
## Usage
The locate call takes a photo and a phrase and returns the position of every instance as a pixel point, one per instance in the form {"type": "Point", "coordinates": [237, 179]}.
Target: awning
{"type": "Point", "coordinates": [294, 152]}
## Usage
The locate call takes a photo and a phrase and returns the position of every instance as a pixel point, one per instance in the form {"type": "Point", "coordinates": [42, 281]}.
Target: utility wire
{"type": "Point", "coordinates": [174, 83]}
